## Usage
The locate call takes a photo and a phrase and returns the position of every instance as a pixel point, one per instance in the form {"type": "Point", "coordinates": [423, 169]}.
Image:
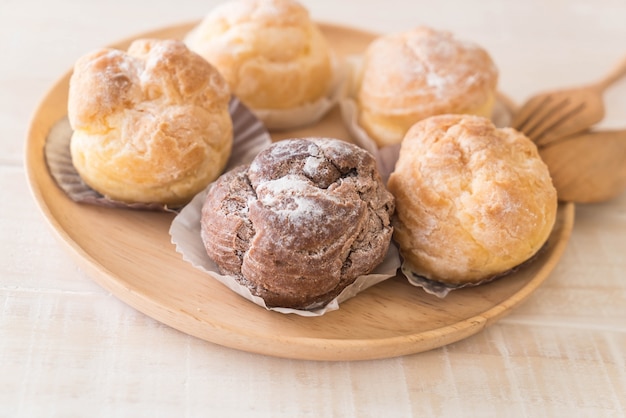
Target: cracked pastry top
{"type": "Point", "coordinates": [270, 51]}
{"type": "Point", "coordinates": [472, 201]}
{"type": "Point", "coordinates": [150, 124]}
{"type": "Point", "coordinates": [408, 76]}
{"type": "Point", "coordinates": [301, 222]}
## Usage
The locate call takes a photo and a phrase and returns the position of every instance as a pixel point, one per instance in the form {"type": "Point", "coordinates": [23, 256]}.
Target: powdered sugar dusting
{"type": "Point", "coordinates": [312, 166]}
{"type": "Point", "coordinates": [425, 63]}
{"type": "Point", "coordinates": [436, 81]}
{"type": "Point", "coordinates": [272, 8]}
{"type": "Point", "coordinates": [289, 194]}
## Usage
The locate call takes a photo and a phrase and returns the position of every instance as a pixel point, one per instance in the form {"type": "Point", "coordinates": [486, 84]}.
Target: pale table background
{"type": "Point", "coordinates": [70, 349]}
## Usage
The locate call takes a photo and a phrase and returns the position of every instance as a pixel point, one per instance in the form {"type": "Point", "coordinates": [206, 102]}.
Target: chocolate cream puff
{"type": "Point", "coordinates": [300, 223]}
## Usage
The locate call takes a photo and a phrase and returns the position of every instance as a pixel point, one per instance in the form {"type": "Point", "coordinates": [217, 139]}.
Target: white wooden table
{"type": "Point", "coordinates": [70, 349]}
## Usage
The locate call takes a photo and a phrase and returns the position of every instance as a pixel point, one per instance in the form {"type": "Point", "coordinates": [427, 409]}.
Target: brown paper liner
{"type": "Point", "coordinates": [249, 137]}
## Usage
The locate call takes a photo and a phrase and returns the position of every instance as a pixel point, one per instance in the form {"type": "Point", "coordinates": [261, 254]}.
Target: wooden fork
{"type": "Point", "coordinates": [559, 113]}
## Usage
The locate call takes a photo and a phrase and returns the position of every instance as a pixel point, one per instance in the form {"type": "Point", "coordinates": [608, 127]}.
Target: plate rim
{"type": "Point", "coordinates": [310, 348]}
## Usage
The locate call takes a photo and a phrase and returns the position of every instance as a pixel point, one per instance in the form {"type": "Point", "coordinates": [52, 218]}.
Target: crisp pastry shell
{"type": "Point", "coordinates": [386, 156]}
{"type": "Point", "coordinates": [274, 58]}
{"type": "Point", "coordinates": [150, 124]}
{"type": "Point", "coordinates": [249, 137]}
{"type": "Point", "coordinates": [309, 113]}
{"type": "Point", "coordinates": [473, 201]}
{"type": "Point", "coordinates": [185, 235]}
{"type": "Point", "coordinates": [408, 76]}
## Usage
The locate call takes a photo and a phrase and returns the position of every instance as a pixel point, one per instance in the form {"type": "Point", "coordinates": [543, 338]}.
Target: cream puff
{"type": "Point", "coordinates": [408, 76]}
{"type": "Point", "coordinates": [150, 124]}
{"type": "Point", "coordinates": [300, 223]}
{"type": "Point", "coordinates": [472, 201]}
{"type": "Point", "coordinates": [273, 56]}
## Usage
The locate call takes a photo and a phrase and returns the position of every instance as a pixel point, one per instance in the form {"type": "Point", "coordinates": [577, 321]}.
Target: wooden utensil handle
{"type": "Point", "coordinates": [615, 74]}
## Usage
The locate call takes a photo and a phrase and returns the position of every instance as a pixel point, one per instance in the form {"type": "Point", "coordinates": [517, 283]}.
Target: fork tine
{"type": "Point", "coordinates": [526, 112]}
{"type": "Point", "coordinates": [555, 121]}
{"type": "Point", "coordinates": [551, 108]}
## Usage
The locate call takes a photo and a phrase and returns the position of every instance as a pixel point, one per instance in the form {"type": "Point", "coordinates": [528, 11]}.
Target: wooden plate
{"type": "Point", "coordinates": [129, 253]}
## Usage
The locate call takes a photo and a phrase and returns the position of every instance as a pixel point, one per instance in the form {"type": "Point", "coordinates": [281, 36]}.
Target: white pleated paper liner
{"type": "Point", "coordinates": [249, 137]}
{"type": "Point", "coordinates": [185, 235]}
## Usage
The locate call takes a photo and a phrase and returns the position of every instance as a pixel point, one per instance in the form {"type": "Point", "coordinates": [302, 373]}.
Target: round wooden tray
{"type": "Point", "coordinates": [129, 253]}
